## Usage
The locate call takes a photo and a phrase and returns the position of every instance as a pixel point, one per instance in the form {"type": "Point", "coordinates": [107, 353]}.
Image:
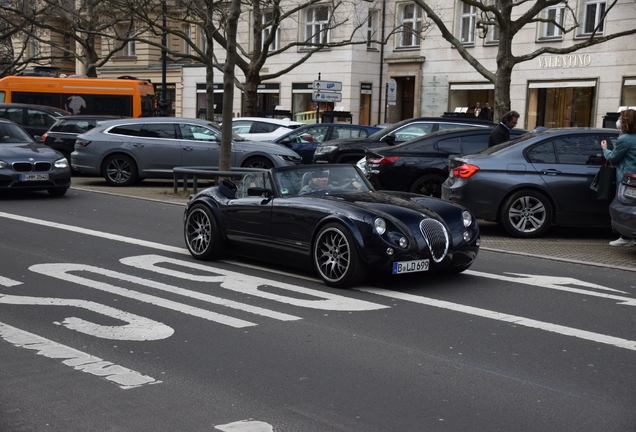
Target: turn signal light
{"type": "Point", "coordinates": [465, 170]}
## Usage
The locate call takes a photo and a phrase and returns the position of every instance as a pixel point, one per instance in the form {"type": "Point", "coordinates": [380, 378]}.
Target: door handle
{"type": "Point", "coordinates": [137, 145]}
{"type": "Point", "coordinates": [550, 172]}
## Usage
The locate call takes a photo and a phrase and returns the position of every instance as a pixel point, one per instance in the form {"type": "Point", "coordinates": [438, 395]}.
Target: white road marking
{"type": "Point", "coordinates": [555, 282]}
{"type": "Point", "coordinates": [61, 271]}
{"type": "Point", "coordinates": [124, 377]}
{"type": "Point", "coordinates": [246, 284]}
{"type": "Point", "coordinates": [137, 329]}
{"type": "Point", "coordinates": [8, 282]}
{"type": "Point", "coordinates": [516, 320]}
{"type": "Point", "coordinates": [246, 426]}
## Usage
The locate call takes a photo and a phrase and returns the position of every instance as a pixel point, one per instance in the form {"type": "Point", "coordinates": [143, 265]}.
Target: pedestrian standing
{"type": "Point", "coordinates": [623, 157]}
{"type": "Point", "coordinates": [501, 132]}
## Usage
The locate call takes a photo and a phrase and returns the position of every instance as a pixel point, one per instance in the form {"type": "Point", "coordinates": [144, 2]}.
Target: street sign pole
{"type": "Point", "coordinates": [318, 106]}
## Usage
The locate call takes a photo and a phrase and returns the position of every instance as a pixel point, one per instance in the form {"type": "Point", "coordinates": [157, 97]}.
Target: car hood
{"type": "Point", "coordinates": [266, 147]}
{"type": "Point", "coordinates": [27, 150]}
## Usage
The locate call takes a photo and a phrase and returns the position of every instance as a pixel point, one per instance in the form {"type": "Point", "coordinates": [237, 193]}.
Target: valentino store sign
{"type": "Point", "coordinates": [565, 61]}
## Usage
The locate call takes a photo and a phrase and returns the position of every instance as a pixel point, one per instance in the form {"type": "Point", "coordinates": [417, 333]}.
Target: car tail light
{"type": "Point", "coordinates": [44, 137]}
{"type": "Point", "coordinates": [465, 170]}
{"type": "Point", "coordinates": [385, 160]}
{"type": "Point", "coordinates": [83, 143]}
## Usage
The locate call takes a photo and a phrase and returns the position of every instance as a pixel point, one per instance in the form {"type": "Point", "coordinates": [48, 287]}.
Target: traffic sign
{"type": "Point", "coordinates": [391, 92]}
{"type": "Point", "coordinates": [327, 85]}
{"type": "Point", "coordinates": [326, 97]}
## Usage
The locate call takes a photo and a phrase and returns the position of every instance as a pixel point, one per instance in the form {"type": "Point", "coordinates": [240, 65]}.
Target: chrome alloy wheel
{"type": "Point", "coordinates": [119, 171]}
{"type": "Point", "coordinates": [527, 214]}
{"type": "Point", "coordinates": [198, 231]}
{"type": "Point", "coordinates": [332, 254]}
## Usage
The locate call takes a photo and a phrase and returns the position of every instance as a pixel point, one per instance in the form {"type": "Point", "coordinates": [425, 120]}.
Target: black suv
{"type": "Point", "coordinates": [62, 134]}
{"type": "Point", "coordinates": [35, 119]}
{"type": "Point", "coordinates": [421, 165]}
{"type": "Point", "coordinates": [352, 150]}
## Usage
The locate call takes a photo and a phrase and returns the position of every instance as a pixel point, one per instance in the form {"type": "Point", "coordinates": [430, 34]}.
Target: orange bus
{"type": "Point", "coordinates": [127, 96]}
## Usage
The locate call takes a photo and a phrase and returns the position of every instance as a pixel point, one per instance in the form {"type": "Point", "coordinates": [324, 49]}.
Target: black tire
{"type": "Point", "coordinates": [428, 184]}
{"type": "Point", "coordinates": [120, 170]}
{"type": "Point", "coordinates": [526, 214]}
{"type": "Point", "coordinates": [336, 257]}
{"type": "Point", "coordinates": [57, 191]}
{"type": "Point", "coordinates": [258, 162]}
{"type": "Point", "coordinates": [202, 235]}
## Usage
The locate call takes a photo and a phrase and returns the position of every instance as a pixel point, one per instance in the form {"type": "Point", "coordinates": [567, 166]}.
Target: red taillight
{"type": "Point", "coordinates": [385, 160]}
{"type": "Point", "coordinates": [82, 142]}
{"type": "Point", "coordinates": [465, 170]}
{"type": "Point", "coordinates": [44, 137]}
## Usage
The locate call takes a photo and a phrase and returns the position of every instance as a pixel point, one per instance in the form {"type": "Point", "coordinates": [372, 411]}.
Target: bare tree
{"type": "Point", "coordinates": [498, 15]}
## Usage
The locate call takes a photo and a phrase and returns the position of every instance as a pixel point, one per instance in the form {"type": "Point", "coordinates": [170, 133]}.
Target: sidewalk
{"type": "Point", "coordinates": [570, 244]}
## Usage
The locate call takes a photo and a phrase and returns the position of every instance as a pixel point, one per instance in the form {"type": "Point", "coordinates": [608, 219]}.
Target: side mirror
{"type": "Point", "coordinates": [286, 141]}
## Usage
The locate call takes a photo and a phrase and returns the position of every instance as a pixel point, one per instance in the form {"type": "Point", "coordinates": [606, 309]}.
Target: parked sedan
{"type": "Point", "coordinates": [531, 182]}
{"type": "Point", "coordinates": [35, 119]}
{"type": "Point", "coordinates": [305, 139]}
{"type": "Point", "coordinates": [329, 218]}
{"type": "Point", "coordinates": [123, 151]}
{"type": "Point", "coordinates": [63, 134]}
{"type": "Point", "coordinates": [421, 165]}
{"type": "Point", "coordinates": [623, 208]}
{"type": "Point", "coordinates": [27, 165]}
{"type": "Point", "coordinates": [351, 150]}
{"type": "Point", "coordinates": [262, 129]}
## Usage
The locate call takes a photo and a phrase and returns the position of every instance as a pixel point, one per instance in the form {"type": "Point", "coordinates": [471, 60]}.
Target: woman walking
{"type": "Point", "coordinates": [623, 157]}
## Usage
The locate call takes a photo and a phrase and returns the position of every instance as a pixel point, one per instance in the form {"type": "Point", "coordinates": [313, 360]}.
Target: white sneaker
{"type": "Point", "coordinates": [622, 242]}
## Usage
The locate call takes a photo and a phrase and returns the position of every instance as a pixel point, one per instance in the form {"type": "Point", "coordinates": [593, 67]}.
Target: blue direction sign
{"type": "Point", "coordinates": [327, 85]}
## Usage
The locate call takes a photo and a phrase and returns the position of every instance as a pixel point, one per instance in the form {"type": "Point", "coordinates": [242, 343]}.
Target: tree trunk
{"type": "Point", "coordinates": [502, 92]}
{"type": "Point", "coordinates": [209, 90]}
{"type": "Point", "coordinates": [225, 161]}
{"type": "Point", "coordinates": [250, 93]}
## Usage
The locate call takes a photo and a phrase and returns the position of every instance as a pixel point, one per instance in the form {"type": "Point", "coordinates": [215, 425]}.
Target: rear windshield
{"type": "Point", "coordinates": [507, 144]}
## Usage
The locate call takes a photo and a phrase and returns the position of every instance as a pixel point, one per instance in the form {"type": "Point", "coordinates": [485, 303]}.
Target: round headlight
{"type": "Point", "coordinates": [467, 218]}
{"type": "Point", "coordinates": [380, 225]}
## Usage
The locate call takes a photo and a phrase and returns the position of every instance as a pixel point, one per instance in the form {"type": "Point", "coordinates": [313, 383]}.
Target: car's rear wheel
{"type": "Point", "coordinates": [336, 258]}
{"type": "Point", "coordinates": [258, 162]}
{"type": "Point", "coordinates": [428, 184]}
{"type": "Point", "coordinates": [526, 214]}
{"type": "Point", "coordinates": [202, 234]}
{"type": "Point", "coordinates": [120, 170]}
{"type": "Point", "coordinates": [57, 191]}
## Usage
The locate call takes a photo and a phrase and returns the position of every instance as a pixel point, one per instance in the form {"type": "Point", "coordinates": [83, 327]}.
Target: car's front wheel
{"type": "Point", "coordinates": [202, 234]}
{"type": "Point", "coordinates": [258, 162]}
{"type": "Point", "coordinates": [336, 258]}
{"type": "Point", "coordinates": [526, 214]}
{"type": "Point", "coordinates": [428, 184]}
{"type": "Point", "coordinates": [120, 170]}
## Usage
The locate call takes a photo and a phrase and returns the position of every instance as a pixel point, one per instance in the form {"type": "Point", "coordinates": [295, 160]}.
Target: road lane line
{"type": "Point", "coordinates": [517, 320]}
{"type": "Point", "coordinates": [124, 377]}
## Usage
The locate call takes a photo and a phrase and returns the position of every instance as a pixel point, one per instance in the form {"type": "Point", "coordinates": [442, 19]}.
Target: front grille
{"type": "Point", "coordinates": [436, 238]}
{"type": "Point", "coordinates": [31, 167]}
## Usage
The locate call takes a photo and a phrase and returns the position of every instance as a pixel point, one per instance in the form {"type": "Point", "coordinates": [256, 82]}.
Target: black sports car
{"type": "Point", "coordinates": [331, 219]}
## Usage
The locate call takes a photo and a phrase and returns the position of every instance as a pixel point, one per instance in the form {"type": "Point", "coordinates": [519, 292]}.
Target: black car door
{"type": "Point", "coordinates": [569, 179]}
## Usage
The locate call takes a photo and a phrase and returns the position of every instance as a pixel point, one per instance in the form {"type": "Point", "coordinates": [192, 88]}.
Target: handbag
{"type": "Point", "coordinates": [604, 182]}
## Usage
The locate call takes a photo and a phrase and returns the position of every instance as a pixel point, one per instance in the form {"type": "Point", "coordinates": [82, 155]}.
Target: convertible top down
{"type": "Point", "coordinates": [329, 218]}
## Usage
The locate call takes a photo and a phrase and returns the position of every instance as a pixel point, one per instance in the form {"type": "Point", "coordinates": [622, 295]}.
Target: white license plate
{"type": "Point", "coordinates": [410, 266]}
{"type": "Point", "coordinates": [630, 191]}
{"type": "Point", "coordinates": [33, 177]}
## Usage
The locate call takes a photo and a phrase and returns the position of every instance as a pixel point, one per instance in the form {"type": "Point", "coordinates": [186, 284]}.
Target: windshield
{"type": "Point", "coordinates": [13, 134]}
{"type": "Point", "coordinates": [326, 180]}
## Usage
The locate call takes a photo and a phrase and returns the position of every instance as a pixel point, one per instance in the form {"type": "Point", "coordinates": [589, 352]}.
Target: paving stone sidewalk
{"type": "Point", "coordinates": [588, 246]}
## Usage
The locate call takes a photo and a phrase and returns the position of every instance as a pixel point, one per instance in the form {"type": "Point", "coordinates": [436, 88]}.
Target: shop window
{"type": "Point", "coordinates": [467, 16]}
{"type": "Point", "coordinates": [554, 15]}
{"type": "Point", "coordinates": [553, 106]}
{"type": "Point", "coordinates": [317, 25]}
{"type": "Point", "coordinates": [411, 22]}
{"type": "Point", "coordinates": [593, 14]}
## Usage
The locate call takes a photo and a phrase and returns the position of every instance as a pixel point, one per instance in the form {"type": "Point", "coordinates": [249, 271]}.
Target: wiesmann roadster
{"type": "Point", "coordinates": [329, 218]}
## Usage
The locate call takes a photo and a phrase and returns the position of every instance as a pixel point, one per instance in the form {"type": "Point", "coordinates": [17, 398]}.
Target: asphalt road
{"type": "Point", "coordinates": [134, 335]}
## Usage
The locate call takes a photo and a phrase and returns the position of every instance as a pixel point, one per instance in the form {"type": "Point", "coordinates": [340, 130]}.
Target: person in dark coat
{"type": "Point", "coordinates": [501, 132]}
{"type": "Point", "coordinates": [485, 112]}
